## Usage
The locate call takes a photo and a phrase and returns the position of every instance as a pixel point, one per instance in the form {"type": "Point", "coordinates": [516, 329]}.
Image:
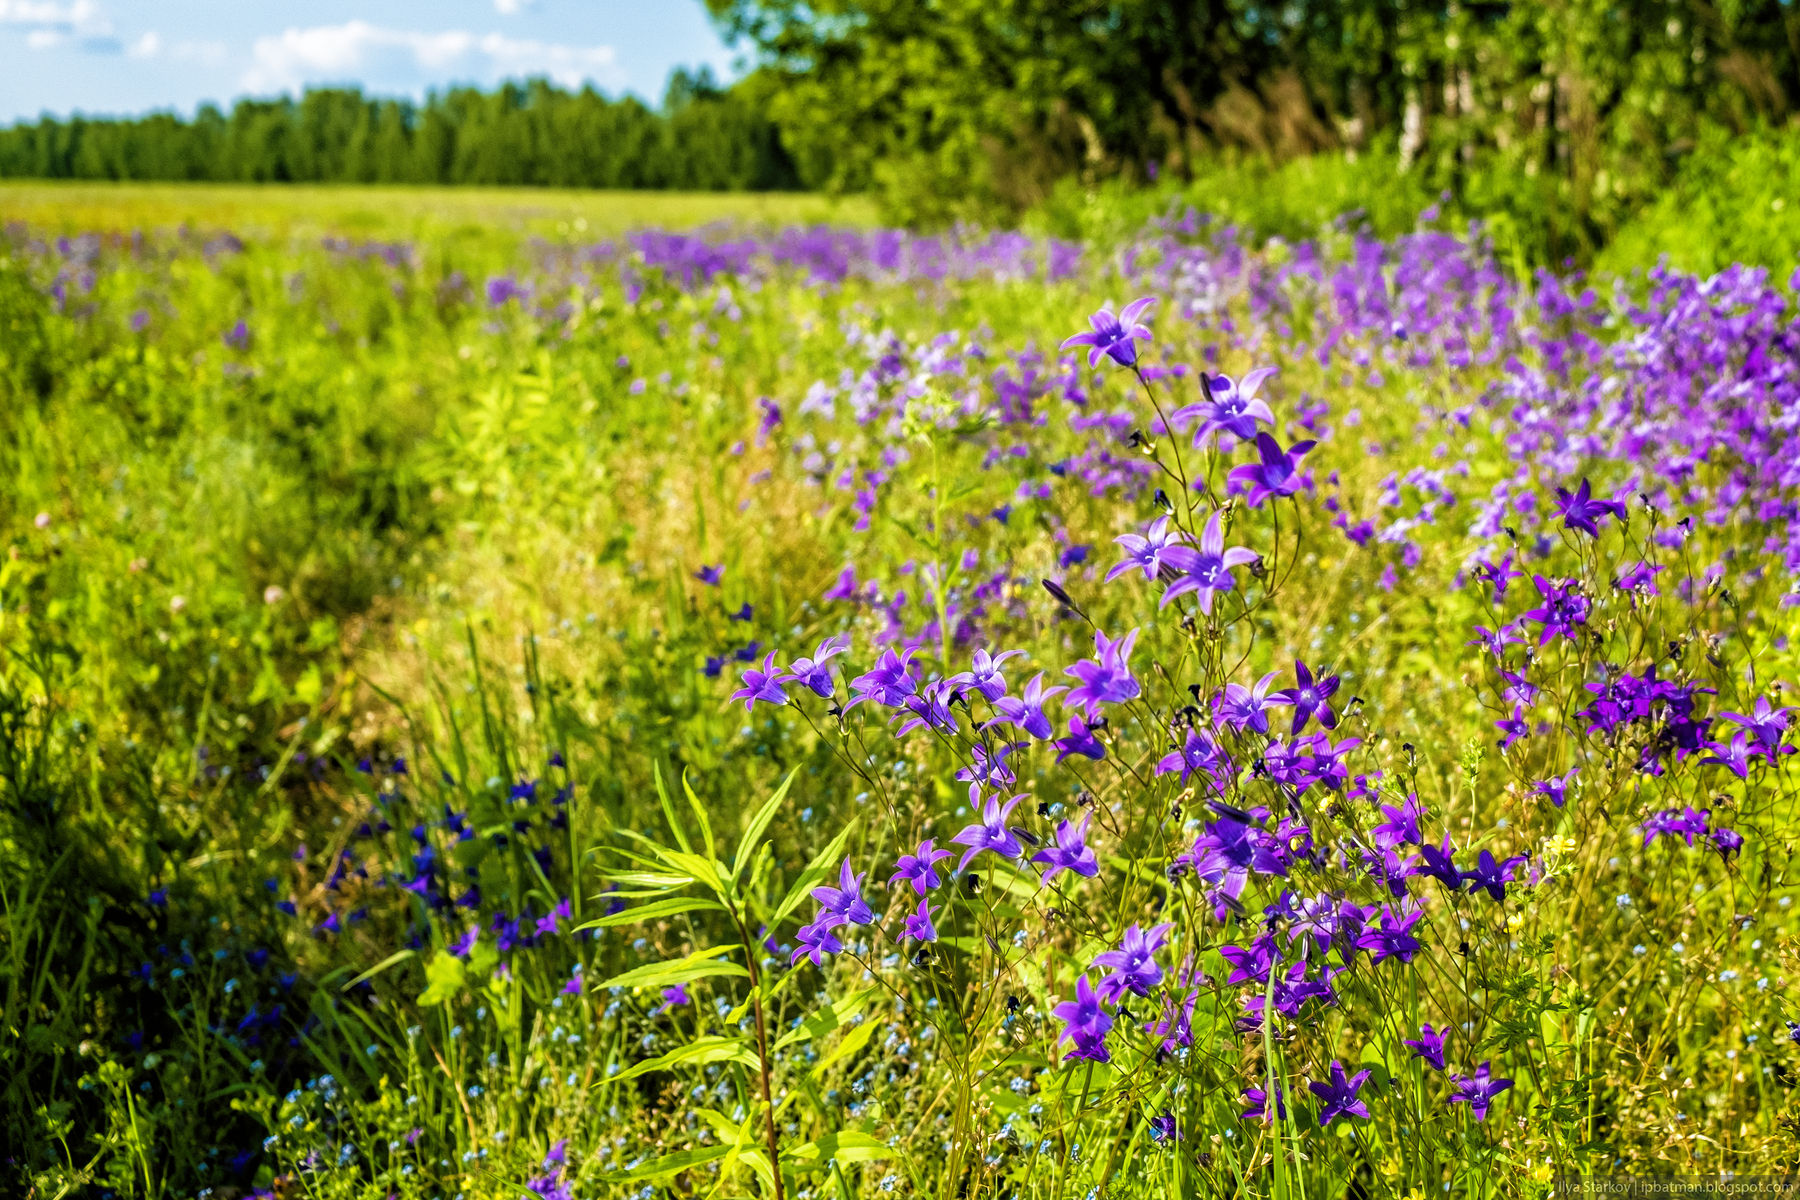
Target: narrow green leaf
{"type": "Point", "coordinates": [670, 1164]}
{"type": "Point", "coordinates": [648, 879]}
{"type": "Point", "coordinates": [662, 793]}
{"type": "Point", "coordinates": [699, 965]}
{"type": "Point", "coordinates": [759, 824]}
{"type": "Point", "coordinates": [847, 1045]}
{"type": "Point", "coordinates": [723, 1127]}
{"type": "Point", "coordinates": [693, 800]}
{"type": "Point", "coordinates": [695, 1053]}
{"type": "Point", "coordinates": [649, 912]}
{"type": "Point", "coordinates": [759, 1162]}
{"type": "Point", "coordinates": [394, 959]}
{"type": "Point", "coordinates": [846, 1146]}
{"type": "Point", "coordinates": [702, 869]}
{"type": "Point", "coordinates": [832, 1016]}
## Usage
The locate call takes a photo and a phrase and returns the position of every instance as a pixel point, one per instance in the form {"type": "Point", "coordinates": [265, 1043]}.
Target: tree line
{"type": "Point", "coordinates": [703, 137]}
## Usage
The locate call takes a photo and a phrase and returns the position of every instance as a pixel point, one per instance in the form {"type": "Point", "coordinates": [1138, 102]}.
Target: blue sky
{"type": "Point", "coordinates": [132, 56]}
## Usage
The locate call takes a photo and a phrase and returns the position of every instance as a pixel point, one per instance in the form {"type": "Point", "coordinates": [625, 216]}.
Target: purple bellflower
{"type": "Point", "coordinates": [1429, 1045]}
{"type": "Point", "coordinates": [920, 867]}
{"type": "Point", "coordinates": [1106, 678]}
{"type": "Point", "coordinates": [1206, 571]}
{"type": "Point", "coordinates": [844, 904]}
{"type": "Point", "coordinates": [1311, 697]}
{"type": "Point", "coordinates": [1338, 1095]}
{"type": "Point", "coordinates": [1071, 851]}
{"type": "Point", "coordinates": [813, 673]}
{"type": "Point", "coordinates": [1133, 967]}
{"type": "Point", "coordinates": [1114, 336]}
{"type": "Point", "coordinates": [1579, 509]}
{"type": "Point", "coordinates": [1084, 1023]}
{"type": "Point", "coordinates": [763, 685]}
{"type": "Point", "coordinates": [991, 832]}
{"type": "Point", "coordinates": [1149, 551]}
{"type": "Point", "coordinates": [1478, 1090]}
{"type": "Point", "coordinates": [1229, 407]}
{"type": "Point", "coordinates": [1026, 710]}
{"type": "Point", "coordinates": [1276, 472]}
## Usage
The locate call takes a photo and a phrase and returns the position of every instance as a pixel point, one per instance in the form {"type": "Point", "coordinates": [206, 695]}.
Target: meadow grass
{"type": "Point", "coordinates": [401, 212]}
{"type": "Point", "coordinates": [377, 818]}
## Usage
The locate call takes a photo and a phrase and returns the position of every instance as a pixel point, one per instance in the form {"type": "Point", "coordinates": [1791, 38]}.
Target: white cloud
{"type": "Point", "coordinates": [51, 25]}
{"type": "Point", "coordinates": [153, 45]}
{"type": "Point", "coordinates": [512, 8]}
{"type": "Point", "coordinates": [83, 16]}
{"type": "Point", "coordinates": [49, 22]}
{"type": "Point", "coordinates": [382, 59]}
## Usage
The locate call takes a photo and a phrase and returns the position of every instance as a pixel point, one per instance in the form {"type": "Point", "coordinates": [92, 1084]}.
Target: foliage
{"type": "Point", "coordinates": [1734, 201]}
{"type": "Point", "coordinates": [960, 109]}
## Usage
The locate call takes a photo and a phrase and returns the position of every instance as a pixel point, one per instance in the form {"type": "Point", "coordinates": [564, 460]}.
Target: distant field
{"type": "Point", "coordinates": [401, 212]}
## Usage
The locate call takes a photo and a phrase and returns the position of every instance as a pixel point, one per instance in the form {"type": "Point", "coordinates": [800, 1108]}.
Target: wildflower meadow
{"type": "Point", "coordinates": [793, 708]}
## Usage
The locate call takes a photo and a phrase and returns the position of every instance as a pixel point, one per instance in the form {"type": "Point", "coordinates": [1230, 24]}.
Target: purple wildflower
{"type": "Point", "coordinates": [672, 997]}
{"type": "Point", "coordinates": [1026, 711]}
{"type": "Point", "coordinates": [1243, 707]}
{"type": "Point", "coordinates": [918, 924]}
{"type": "Point", "coordinates": [920, 867]}
{"type": "Point", "coordinates": [1081, 741]}
{"type": "Point", "coordinates": [763, 685]}
{"type": "Point", "coordinates": [1071, 851]}
{"type": "Point", "coordinates": [1251, 964]}
{"type": "Point", "coordinates": [813, 673]}
{"type": "Point", "coordinates": [1440, 864]}
{"type": "Point", "coordinates": [1229, 407]}
{"type": "Point", "coordinates": [984, 677]}
{"type": "Point", "coordinates": [888, 683]}
{"type": "Point", "coordinates": [1401, 828]}
{"type": "Point", "coordinates": [1429, 1045]}
{"type": "Point", "coordinates": [1579, 509]}
{"type": "Point", "coordinates": [1763, 723]}
{"type": "Point", "coordinates": [1491, 876]}
{"type": "Point", "coordinates": [1276, 472]}
{"type": "Point", "coordinates": [1310, 697]}
{"type": "Point", "coordinates": [1258, 1100]}
{"type": "Point", "coordinates": [816, 941]}
{"type": "Point", "coordinates": [1198, 754]}
{"type": "Point", "coordinates": [1133, 967]}
{"type": "Point", "coordinates": [1478, 1090]}
{"type": "Point", "coordinates": [1339, 1095]}
{"type": "Point", "coordinates": [1734, 755]}
{"type": "Point", "coordinates": [843, 904]}
{"type": "Point", "coordinates": [1084, 1023]}
{"type": "Point", "coordinates": [1147, 553]}
{"type": "Point", "coordinates": [991, 832]}
{"type": "Point", "coordinates": [1107, 678]}
{"type": "Point", "coordinates": [1563, 608]}
{"type": "Point", "coordinates": [1393, 937]}
{"type": "Point", "coordinates": [1555, 788]}
{"type": "Point", "coordinates": [1207, 570]}
{"type": "Point", "coordinates": [1114, 336]}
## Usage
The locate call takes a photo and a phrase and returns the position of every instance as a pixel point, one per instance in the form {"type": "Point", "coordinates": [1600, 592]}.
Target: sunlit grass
{"type": "Point", "coordinates": [448, 503]}
{"type": "Point", "coordinates": [250, 210]}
